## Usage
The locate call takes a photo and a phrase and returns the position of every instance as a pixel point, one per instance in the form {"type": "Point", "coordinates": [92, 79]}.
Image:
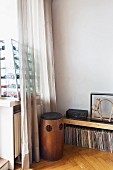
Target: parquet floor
{"type": "Point", "coordinates": [76, 158]}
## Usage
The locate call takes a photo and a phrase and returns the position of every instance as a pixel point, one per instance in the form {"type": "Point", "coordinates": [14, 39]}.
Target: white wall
{"type": "Point", "coordinates": [83, 44]}
{"type": "Point", "coordinates": [8, 19]}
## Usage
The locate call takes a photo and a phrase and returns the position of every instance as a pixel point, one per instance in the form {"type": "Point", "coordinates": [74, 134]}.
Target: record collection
{"type": "Point", "coordinates": [89, 137]}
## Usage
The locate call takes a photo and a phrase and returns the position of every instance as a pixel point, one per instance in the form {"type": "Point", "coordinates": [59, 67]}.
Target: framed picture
{"type": "Point", "coordinates": [101, 107]}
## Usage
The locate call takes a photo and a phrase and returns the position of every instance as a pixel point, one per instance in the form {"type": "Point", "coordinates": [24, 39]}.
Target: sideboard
{"type": "Point", "coordinates": [9, 119]}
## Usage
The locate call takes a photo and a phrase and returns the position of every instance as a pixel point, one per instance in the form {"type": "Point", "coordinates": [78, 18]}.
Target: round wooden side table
{"type": "Point", "coordinates": [52, 136]}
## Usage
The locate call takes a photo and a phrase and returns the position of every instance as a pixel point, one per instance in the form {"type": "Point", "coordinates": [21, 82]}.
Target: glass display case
{"type": "Point", "coordinates": [16, 60]}
{"type": "Point", "coordinates": [9, 69]}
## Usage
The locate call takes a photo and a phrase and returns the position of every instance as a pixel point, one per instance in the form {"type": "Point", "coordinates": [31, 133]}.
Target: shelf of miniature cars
{"type": "Point", "coordinates": [2, 58]}
{"type": "Point", "coordinates": [13, 86]}
{"type": "Point", "coordinates": [9, 59]}
{"type": "Point", "coordinates": [10, 76]}
{"type": "Point", "coordinates": [10, 96]}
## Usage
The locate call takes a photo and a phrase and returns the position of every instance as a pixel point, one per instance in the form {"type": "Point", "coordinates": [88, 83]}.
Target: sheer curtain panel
{"type": "Point", "coordinates": [47, 74]}
{"type": "Point", "coordinates": [35, 32]}
{"type": "Point", "coordinates": [27, 14]}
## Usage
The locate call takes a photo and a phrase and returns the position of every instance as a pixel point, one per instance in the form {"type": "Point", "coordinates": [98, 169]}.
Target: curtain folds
{"type": "Point", "coordinates": [27, 9]}
{"type": "Point", "coordinates": [47, 76]}
{"type": "Point", "coordinates": [35, 37]}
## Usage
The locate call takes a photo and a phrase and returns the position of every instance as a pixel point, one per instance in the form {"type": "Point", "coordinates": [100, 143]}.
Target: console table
{"type": "Point", "coordinates": [89, 134]}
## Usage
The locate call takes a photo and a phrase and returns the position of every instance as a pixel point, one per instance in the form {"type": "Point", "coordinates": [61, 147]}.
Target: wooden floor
{"type": "Point", "coordinates": [75, 158]}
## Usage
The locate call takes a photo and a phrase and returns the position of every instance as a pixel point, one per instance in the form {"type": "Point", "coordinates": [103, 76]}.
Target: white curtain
{"type": "Point", "coordinates": [27, 15]}
{"type": "Point", "coordinates": [47, 76]}
{"type": "Point", "coordinates": [35, 31]}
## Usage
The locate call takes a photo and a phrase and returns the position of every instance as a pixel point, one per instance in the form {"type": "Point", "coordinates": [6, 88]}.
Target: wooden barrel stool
{"type": "Point", "coordinates": [52, 136]}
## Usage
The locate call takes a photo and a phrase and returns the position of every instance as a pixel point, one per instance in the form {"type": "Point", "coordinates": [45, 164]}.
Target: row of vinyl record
{"type": "Point", "coordinates": [89, 138]}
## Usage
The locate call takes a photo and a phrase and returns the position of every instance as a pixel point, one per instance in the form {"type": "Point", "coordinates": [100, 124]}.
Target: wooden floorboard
{"type": "Point", "coordinates": [76, 158]}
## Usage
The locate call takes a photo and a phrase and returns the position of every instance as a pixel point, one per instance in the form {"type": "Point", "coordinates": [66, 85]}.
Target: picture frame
{"type": "Point", "coordinates": [101, 107]}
